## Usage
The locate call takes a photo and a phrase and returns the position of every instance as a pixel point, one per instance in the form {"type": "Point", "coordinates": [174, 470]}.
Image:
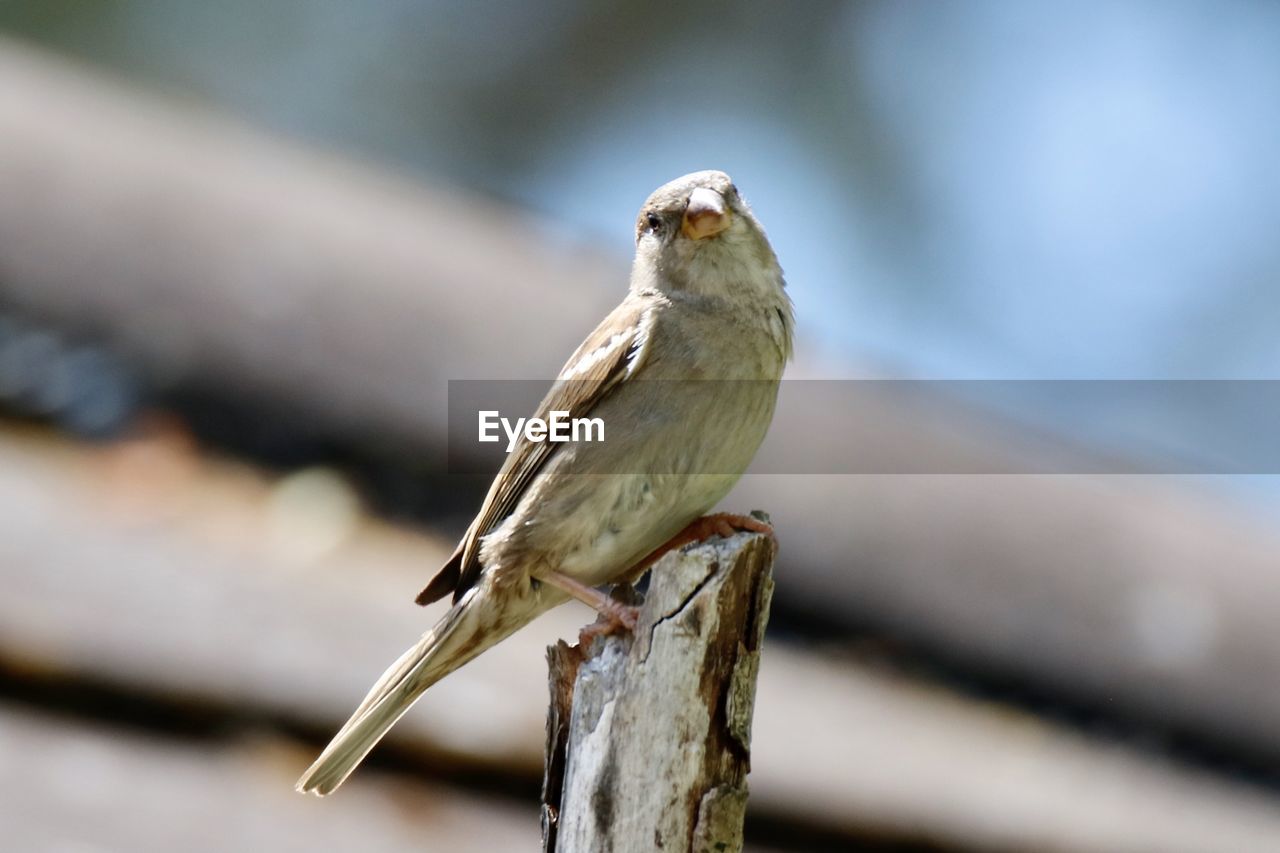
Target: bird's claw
{"type": "Point", "coordinates": [726, 524]}
{"type": "Point", "coordinates": [616, 619]}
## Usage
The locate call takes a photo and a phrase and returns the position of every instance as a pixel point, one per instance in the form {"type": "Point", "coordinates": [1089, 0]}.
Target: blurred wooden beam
{"type": "Point", "coordinates": [908, 760]}
{"type": "Point", "coordinates": [348, 298]}
{"type": "Point", "coordinates": [71, 786]}
{"type": "Point", "coordinates": [215, 256]}
{"type": "Point", "coordinates": [1127, 594]}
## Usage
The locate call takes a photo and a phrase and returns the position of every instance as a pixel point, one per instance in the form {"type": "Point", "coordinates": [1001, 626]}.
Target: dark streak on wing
{"type": "Point", "coordinates": [579, 388]}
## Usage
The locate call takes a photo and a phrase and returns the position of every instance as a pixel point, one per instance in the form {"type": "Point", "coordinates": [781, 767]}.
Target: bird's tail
{"type": "Point", "coordinates": [472, 625]}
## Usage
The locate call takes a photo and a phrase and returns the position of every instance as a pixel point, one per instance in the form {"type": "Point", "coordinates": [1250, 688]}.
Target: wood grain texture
{"type": "Point", "coordinates": [658, 739]}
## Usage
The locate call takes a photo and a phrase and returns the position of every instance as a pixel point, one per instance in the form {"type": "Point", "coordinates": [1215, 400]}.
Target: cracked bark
{"type": "Point", "coordinates": [649, 734]}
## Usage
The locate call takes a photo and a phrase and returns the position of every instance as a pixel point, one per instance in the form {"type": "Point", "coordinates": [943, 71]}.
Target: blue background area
{"type": "Point", "coordinates": [979, 190]}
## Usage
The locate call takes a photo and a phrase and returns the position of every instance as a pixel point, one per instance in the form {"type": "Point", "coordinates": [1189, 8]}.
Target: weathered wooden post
{"type": "Point", "coordinates": [649, 733]}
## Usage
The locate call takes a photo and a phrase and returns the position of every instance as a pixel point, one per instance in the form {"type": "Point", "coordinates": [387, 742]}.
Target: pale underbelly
{"type": "Point", "coordinates": [649, 511]}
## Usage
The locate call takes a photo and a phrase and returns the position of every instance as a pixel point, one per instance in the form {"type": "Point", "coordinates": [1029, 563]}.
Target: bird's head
{"type": "Point", "coordinates": [696, 234]}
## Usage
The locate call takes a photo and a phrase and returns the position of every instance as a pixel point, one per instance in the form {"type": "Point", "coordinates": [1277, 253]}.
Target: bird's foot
{"type": "Point", "coordinates": [723, 524]}
{"type": "Point", "coordinates": [621, 618]}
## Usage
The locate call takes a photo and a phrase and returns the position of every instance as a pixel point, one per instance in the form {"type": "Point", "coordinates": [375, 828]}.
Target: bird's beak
{"type": "Point", "coordinates": [706, 215]}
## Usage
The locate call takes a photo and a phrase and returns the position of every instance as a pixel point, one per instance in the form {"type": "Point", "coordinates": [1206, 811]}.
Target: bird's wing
{"type": "Point", "coordinates": [610, 355]}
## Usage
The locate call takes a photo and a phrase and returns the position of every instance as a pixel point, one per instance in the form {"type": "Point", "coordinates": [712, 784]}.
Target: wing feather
{"type": "Point", "coordinates": [610, 355]}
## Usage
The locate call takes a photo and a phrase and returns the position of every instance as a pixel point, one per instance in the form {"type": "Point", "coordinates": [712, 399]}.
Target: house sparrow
{"type": "Point", "coordinates": [706, 302]}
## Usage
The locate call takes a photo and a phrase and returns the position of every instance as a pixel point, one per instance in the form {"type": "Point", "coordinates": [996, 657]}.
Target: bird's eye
{"type": "Point", "coordinates": [655, 222]}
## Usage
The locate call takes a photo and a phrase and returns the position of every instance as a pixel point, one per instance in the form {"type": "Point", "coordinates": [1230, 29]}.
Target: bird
{"type": "Point", "coordinates": [684, 373]}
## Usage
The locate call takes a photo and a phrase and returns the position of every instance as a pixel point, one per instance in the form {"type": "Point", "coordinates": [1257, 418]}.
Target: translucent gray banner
{"type": "Point", "coordinates": [1203, 427]}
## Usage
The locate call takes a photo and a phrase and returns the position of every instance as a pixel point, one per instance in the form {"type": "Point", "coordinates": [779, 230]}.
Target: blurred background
{"type": "Point", "coordinates": [244, 247]}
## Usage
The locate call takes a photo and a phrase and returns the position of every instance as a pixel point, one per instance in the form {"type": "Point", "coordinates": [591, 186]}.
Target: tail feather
{"type": "Point", "coordinates": [408, 668]}
{"type": "Point", "coordinates": [464, 632]}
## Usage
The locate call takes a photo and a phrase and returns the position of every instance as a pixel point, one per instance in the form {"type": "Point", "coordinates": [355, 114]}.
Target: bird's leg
{"type": "Point", "coordinates": [617, 615]}
{"type": "Point", "coordinates": [699, 530]}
